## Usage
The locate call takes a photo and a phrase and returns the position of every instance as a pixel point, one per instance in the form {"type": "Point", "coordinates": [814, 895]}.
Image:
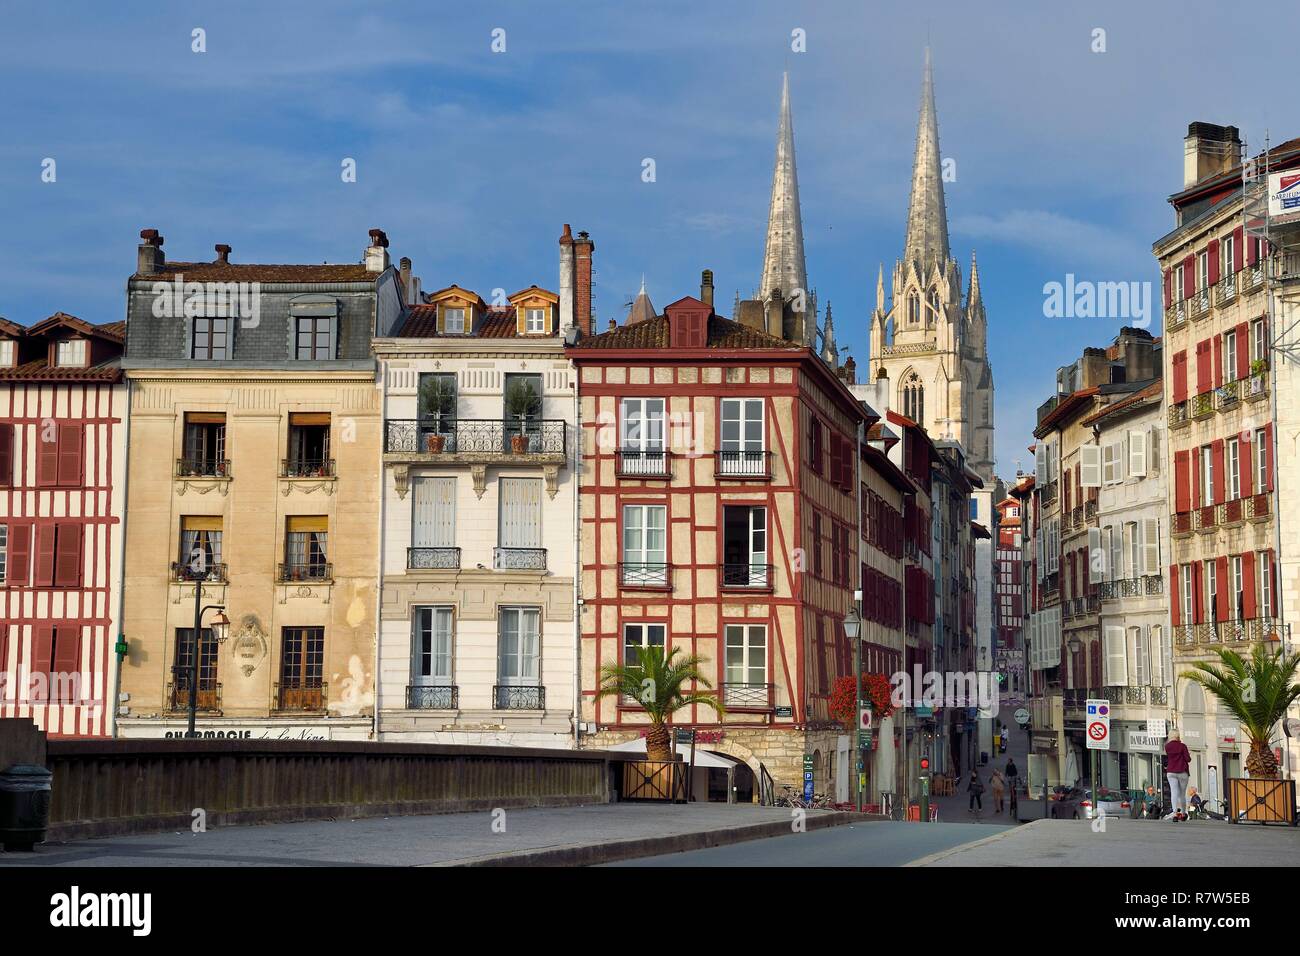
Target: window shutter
{"type": "Point", "coordinates": [44, 576]}
{"type": "Point", "coordinates": [70, 445]}
{"type": "Point", "coordinates": [1247, 470]}
{"type": "Point", "coordinates": [1248, 583]}
{"type": "Point", "coordinates": [1096, 558]}
{"type": "Point", "coordinates": [1151, 546]}
{"type": "Point", "coordinates": [1090, 466]}
{"type": "Point", "coordinates": [1182, 486]}
{"type": "Point", "coordinates": [1238, 240]}
{"type": "Point", "coordinates": [433, 523]}
{"type": "Point", "coordinates": [1189, 277]}
{"type": "Point", "coordinates": [1222, 596]}
{"type": "Point", "coordinates": [834, 476]}
{"type": "Point", "coordinates": [1180, 377]}
{"type": "Point", "coordinates": [1203, 372]}
{"type": "Point", "coordinates": [1175, 597]}
{"type": "Point", "coordinates": [47, 457]}
{"type": "Point", "coordinates": [1040, 463]}
{"type": "Point", "coordinates": [18, 565]}
{"type": "Point", "coordinates": [1218, 361]}
{"type": "Point", "coordinates": [1252, 251]}
{"type": "Point", "coordinates": [1267, 455]}
{"type": "Point", "coordinates": [1169, 287]}
{"type": "Point", "coordinates": [1108, 463]}
{"type": "Point", "coordinates": [1153, 450]}
{"type": "Point", "coordinates": [1217, 456]}
{"type": "Point", "coordinates": [67, 650]}
{"type": "Point", "coordinates": [521, 513]}
{"type": "Point", "coordinates": [1214, 261]}
{"type": "Point", "coordinates": [42, 648]}
{"type": "Point", "coordinates": [1137, 454]}
{"type": "Point", "coordinates": [67, 559]}
{"type": "Point", "coordinates": [1243, 351]}
{"type": "Point", "coordinates": [1195, 470]}
{"type": "Point", "coordinates": [6, 455]}
{"type": "Point", "coordinates": [1139, 656]}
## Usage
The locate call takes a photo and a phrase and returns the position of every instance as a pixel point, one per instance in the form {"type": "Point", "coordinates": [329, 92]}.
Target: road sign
{"type": "Point", "coordinates": [864, 718]}
{"type": "Point", "coordinates": [1022, 716]}
{"type": "Point", "coordinates": [1097, 723]}
{"type": "Point", "coordinates": [864, 739]}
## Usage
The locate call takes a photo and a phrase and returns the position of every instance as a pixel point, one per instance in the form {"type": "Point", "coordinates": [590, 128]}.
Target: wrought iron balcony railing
{"type": "Point", "coordinates": [208, 697]}
{"type": "Point", "coordinates": [202, 467]}
{"type": "Point", "coordinates": [1229, 514]}
{"type": "Point", "coordinates": [1135, 695]}
{"type": "Point", "coordinates": [432, 697]}
{"type": "Point", "coordinates": [304, 572]}
{"type": "Point", "coordinates": [519, 559]}
{"type": "Point", "coordinates": [745, 575]}
{"type": "Point", "coordinates": [1228, 632]}
{"type": "Point", "coordinates": [644, 574]}
{"type": "Point", "coordinates": [307, 468]}
{"type": "Point", "coordinates": [1198, 306]}
{"type": "Point", "coordinates": [1159, 695]}
{"type": "Point", "coordinates": [518, 697]}
{"type": "Point", "coordinates": [743, 464]}
{"type": "Point", "coordinates": [213, 574]}
{"type": "Point", "coordinates": [1202, 405]}
{"type": "Point", "coordinates": [432, 559]}
{"type": "Point", "coordinates": [640, 463]}
{"type": "Point", "coordinates": [1113, 694]}
{"type": "Point", "coordinates": [1256, 386]}
{"type": "Point", "coordinates": [1226, 290]}
{"type": "Point", "coordinates": [475, 436]}
{"type": "Point", "coordinates": [1175, 316]}
{"type": "Point", "coordinates": [305, 694]}
{"type": "Point", "coordinates": [1178, 414]}
{"type": "Point", "coordinates": [747, 695]}
{"type": "Point", "coordinates": [1259, 507]}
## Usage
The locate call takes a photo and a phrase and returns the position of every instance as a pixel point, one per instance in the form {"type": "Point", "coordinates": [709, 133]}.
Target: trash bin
{"type": "Point", "coordinates": [984, 756]}
{"type": "Point", "coordinates": [24, 806]}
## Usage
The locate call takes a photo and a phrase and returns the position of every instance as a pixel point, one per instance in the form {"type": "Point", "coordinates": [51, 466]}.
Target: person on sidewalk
{"type": "Point", "coordinates": [1177, 768]}
{"type": "Point", "coordinates": [975, 789]}
{"type": "Point", "coordinates": [998, 784]}
{"type": "Point", "coordinates": [1012, 774]}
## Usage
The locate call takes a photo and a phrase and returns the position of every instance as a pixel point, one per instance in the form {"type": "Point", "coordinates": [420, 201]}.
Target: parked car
{"type": "Point", "coordinates": [1074, 803]}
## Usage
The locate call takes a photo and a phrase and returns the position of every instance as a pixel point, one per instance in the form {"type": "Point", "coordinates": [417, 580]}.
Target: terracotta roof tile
{"type": "Point", "coordinates": [498, 322]}
{"type": "Point", "coordinates": [255, 272]}
{"type": "Point", "coordinates": [653, 334]}
{"type": "Point", "coordinates": [40, 370]}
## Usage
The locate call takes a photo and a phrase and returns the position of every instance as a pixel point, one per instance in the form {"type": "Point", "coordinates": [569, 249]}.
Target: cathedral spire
{"type": "Point", "coordinates": [973, 296]}
{"type": "Point", "coordinates": [830, 354]}
{"type": "Point", "coordinates": [927, 217]}
{"type": "Point", "coordinates": [880, 289]}
{"type": "Point", "coordinates": [783, 260]}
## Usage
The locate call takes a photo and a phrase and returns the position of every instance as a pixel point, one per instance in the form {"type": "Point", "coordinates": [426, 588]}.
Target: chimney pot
{"type": "Point", "coordinates": [149, 257]}
{"type": "Point", "coordinates": [706, 286]}
{"type": "Point", "coordinates": [223, 252]}
{"type": "Point", "coordinates": [379, 238]}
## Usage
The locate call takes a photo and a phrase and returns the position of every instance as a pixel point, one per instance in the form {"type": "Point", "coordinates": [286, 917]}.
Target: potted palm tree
{"type": "Point", "coordinates": [1257, 691]}
{"type": "Point", "coordinates": [437, 400]}
{"type": "Point", "coordinates": [522, 402]}
{"type": "Point", "coordinates": [658, 683]}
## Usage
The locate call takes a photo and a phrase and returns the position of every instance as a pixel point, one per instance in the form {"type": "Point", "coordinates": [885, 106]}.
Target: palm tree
{"type": "Point", "coordinates": [1257, 692]}
{"type": "Point", "coordinates": [656, 681]}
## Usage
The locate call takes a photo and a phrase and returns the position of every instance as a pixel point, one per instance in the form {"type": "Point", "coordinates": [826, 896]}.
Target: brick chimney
{"type": "Point", "coordinates": [377, 251]}
{"type": "Point", "coordinates": [706, 287]}
{"type": "Point", "coordinates": [583, 247]}
{"type": "Point", "coordinates": [1208, 150]}
{"type": "Point", "coordinates": [566, 277]}
{"type": "Point", "coordinates": [223, 253]}
{"type": "Point", "coordinates": [149, 257]}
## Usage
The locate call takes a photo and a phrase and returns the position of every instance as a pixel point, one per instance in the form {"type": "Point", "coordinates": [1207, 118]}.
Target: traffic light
{"type": "Point", "coordinates": [925, 763]}
{"type": "Point", "coordinates": [1002, 679]}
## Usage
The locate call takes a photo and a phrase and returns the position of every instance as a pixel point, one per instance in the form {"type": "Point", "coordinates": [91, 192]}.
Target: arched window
{"type": "Point", "coordinates": [913, 308]}
{"type": "Point", "coordinates": [914, 398]}
{"type": "Point", "coordinates": [932, 311]}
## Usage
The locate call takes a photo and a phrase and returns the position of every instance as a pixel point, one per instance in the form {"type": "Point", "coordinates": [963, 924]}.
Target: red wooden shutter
{"type": "Point", "coordinates": [1247, 476]}
{"type": "Point", "coordinates": [1182, 486]}
{"type": "Point", "coordinates": [1252, 251]}
{"type": "Point", "coordinates": [70, 445]}
{"type": "Point", "coordinates": [42, 649]}
{"type": "Point", "coordinates": [1196, 477]}
{"type": "Point", "coordinates": [1202, 366]}
{"type": "Point", "coordinates": [1218, 361]}
{"type": "Point", "coordinates": [18, 567]}
{"type": "Point", "coordinates": [67, 563]}
{"type": "Point", "coordinates": [1169, 287]}
{"type": "Point", "coordinates": [1267, 453]}
{"type": "Point", "coordinates": [67, 650]}
{"type": "Point", "coordinates": [1189, 277]}
{"type": "Point", "coordinates": [44, 575]}
{"type": "Point", "coordinates": [1180, 377]}
{"type": "Point", "coordinates": [6, 455]}
{"type": "Point", "coordinates": [1213, 250]}
{"type": "Point", "coordinates": [1221, 588]}
{"type": "Point", "coordinates": [1237, 243]}
{"type": "Point", "coordinates": [1195, 611]}
{"type": "Point", "coordinates": [47, 456]}
{"type": "Point", "coordinates": [835, 458]}
{"type": "Point", "coordinates": [1175, 597]}
{"type": "Point", "coordinates": [1248, 584]}
{"type": "Point", "coordinates": [1271, 610]}
{"type": "Point", "coordinates": [1216, 455]}
{"type": "Point", "coordinates": [1243, 350]}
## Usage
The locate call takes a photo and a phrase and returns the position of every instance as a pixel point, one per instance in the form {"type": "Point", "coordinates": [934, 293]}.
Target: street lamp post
{"type": "Point", "coordinates": [853, 630]}
{"type": "Point", "coordinates": [1075, 645]}
{"type": "Point", "coordinates": [199, 572]}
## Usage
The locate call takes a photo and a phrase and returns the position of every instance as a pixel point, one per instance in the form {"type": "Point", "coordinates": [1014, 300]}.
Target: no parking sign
{"type": "Point", "coordinates": [1097, 724]}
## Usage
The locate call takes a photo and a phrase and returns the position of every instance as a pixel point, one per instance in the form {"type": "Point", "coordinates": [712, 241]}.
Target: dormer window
{"type": "Point", "coordinates": [8, 353]}
{"type": "Point", "coordinates": [453, 321]}
{"type": "Point", "coordinates": [70, 353]}
{"type": "Point", "coordinates": [535, 321]}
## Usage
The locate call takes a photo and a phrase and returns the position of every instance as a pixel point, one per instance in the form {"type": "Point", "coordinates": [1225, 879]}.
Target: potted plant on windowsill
{"type": "Point", "coordinates": [522, 402]}
{"type": "Point", "coordinates": [437, 402]}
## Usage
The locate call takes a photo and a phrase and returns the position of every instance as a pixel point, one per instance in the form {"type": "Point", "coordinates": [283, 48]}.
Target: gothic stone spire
{"type": "Point", "coordinates": [783, 260]}
{"type": "Point", "coordinates": [927, 217]}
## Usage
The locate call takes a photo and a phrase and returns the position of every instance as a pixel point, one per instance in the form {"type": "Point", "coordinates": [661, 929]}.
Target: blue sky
{"type": "Point", "coordinates": [472, 160]}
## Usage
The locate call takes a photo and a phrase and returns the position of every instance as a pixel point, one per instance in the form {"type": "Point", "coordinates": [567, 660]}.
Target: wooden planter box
{"type": "Point", "coordinates": [1261, 800]}
{"type": "Point", "coordinates": [655, 780]}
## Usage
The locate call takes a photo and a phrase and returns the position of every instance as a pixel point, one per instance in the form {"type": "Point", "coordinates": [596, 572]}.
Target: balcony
{"type": "Point", "coordinates": [1159, 695]}
{"type": "Point", "coordinates": [1259, 507]}
{"type": "Point", "coordinates": [518, 697]}
{"type": "Point", "coordinates": [1225, 291]}
{"type": "Point", "coordinates": [1255, 387]}
{"type": "Point", "coordinates": [746, 577]}
{"type": "Point", "coordinates": [1195, 636]}
{"type": "Point", "coordinates": [748, 465]}
{"type": "Point", "coordinates": [519, 559]}
{"type": "Point", "coordinates": [1178, 414]}
{"type": "Point", "coordinates": [1089, 510]}
{"type": "Point", "coordinates": [645, 575]}
{"type": "Point", "coordinates": [307, 468]}
{"type": "Point", "coordinates": [214, 574]}
{"type": "Point", "coordinates": [1135, 695]}
{"type": "Point", "coordinates": [1201, 406]}
{"type": "Point", "coordinates": [307, 695]}
{"type": "Point", "coordinates": [1132, 587]}
{"type": "Point", "coordinates": [1206, 519]}
{"type": "Point", "coordinates": [1175, 316]}
{"type": "Point", "coordinates": [202, 468]}
{"type": "Point", "coordinates": [1048, 494]}
{"type": "Point", "coordinates": [1114, 694]}
{"type": "Point", "coordinates": [432, 697]}
{"type": "Point", "coordinates": [1252, 279]}
{"type": "Point", "coordinates": [637, 463]}
{"type": "Point", "coordinates": [475, 441]}
{"type": "Point", "coordinates": [208, 698]}
{"type": "Point", "coordinates": [1182, 524]}
{"type": "Point", "coordinates": [432, 559]}
{"type": "Point", "coordinates": [1230, 514]}
{"type": "Point", "coordinates": [1198, 306]}
{"type": "Point", "coordinates": [309, 572]}
{"type": "Point", "coordinates": [745, 696]}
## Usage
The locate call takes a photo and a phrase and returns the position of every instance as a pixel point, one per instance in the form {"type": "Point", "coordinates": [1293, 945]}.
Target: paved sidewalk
{"type": "Point", "coordinates": [561, 836]}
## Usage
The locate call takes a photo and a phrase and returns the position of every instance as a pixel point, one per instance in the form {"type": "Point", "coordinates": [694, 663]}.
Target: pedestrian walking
{"type": "Point", "coordinates": [1177, 769]}
{"type": "Point", "coordinates": [1012, 773]}
{"type": "Point", "coordinates": [975, 788]}
{"type": "Point", "coordinates": [998, 784]}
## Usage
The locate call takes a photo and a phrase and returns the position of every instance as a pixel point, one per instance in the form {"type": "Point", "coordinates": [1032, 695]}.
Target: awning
{"type": "Point", "coordinates": [703, 758]}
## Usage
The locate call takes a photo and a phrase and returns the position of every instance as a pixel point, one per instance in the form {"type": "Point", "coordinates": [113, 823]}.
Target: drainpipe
{"type": "Point", "coordinates": [382, 385]}
{"type": "Point", "coordinates": [577, 561]}
{"type": "Point", "coordinates": [121, 560]}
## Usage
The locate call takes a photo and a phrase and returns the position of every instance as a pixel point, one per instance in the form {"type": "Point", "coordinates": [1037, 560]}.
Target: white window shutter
{"type": "Point", "coordinates": [1153, 451]}
{"type": "Point", "coordinates": [1166, 655]}
{"type": "Point", "coordinates": [1040, 463]}
{"type": "Point", "coordinates": [1151, 546]}
{"type": "Point", "coordinates": [1053, 466]}
{"type": "Point", "coordinates": [1121, 459]}
{"type": "Point", "coordinates": [1137, 454]}
{"type": "Point", "coordinates": [1090, 466]}
{"type": "Point", "coordinates": [1108, 464]}
{"type": "Point", "coordinates": [1096, 557]}
{"type": "Point", "coordinates": [1139, 656]}
{"type": "Point", "coordinates": [1116, 657]}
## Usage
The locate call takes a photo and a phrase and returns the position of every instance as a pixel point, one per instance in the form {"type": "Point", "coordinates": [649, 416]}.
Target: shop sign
{"type": "Point", "coordinates": [1142, 741]}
